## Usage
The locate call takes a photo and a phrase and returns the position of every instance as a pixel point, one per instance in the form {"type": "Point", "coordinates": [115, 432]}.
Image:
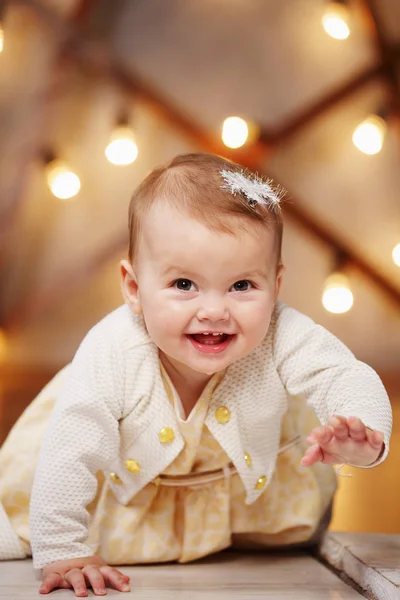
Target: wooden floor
{"type": "Point", "coordinates": [229, 576]}
{"type": "Point", "coordinates": [369, 563]}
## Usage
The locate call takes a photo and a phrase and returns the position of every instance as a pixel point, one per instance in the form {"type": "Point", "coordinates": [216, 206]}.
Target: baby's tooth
{"type": "Point", "coordinates": [215, 334]}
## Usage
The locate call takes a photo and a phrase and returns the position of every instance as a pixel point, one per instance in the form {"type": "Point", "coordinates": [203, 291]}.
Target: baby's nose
{"type": "Point", "coordinates": [213, 309]}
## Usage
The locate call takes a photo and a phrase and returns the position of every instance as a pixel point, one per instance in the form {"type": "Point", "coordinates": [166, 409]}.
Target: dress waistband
{"type": "Point", "coordinates": [206, 477]}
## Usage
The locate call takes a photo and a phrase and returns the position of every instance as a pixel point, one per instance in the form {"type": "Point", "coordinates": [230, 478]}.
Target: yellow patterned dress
{"type": "Point", "coordinates": [187, 522]}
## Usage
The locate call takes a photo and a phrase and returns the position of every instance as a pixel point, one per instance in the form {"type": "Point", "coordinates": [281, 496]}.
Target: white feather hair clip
{"type": "Point", "coordinates": [256, 190]}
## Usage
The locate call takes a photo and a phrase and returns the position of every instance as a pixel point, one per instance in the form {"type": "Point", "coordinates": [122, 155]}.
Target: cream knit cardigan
{"type": "Point", "coordinates": [114, 405]}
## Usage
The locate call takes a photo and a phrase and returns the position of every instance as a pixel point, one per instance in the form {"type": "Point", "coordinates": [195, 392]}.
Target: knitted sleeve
{"type": "Point", "coordinates": [82, 438]}
{"type": "Point", "coordinates": [314, 364]}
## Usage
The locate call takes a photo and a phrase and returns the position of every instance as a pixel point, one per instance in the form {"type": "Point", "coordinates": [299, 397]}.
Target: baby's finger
{"type": "Point", "coordinates": [312, 455]}
{"type": "Point", "coordinates": [357, 429]}
{"type": "Point", "coordinates": [94, 578]}
{"type": "Point", "coordinates": [339, 426]}
{"type": "Point", "coordinates": [116, 579]}
{"type": "Point", "coordinates": [51, 582]}
{"type": "Point", "coordinates": [375, 438]}
{"type": "Point", "coordinates": [321, 434]}
{"type": "Point", "coordinates": [76, 580]}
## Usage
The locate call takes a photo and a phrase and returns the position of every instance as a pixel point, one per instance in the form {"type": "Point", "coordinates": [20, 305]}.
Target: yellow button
{"type": "Point", "coordinates": [261, 481]}
{"type": "Point", "coordinates": [222, 414]}
{"type": "Point", "coordinates": [247, 459]}
{"type": "Point", "coordinates": [132, 465]}
{"type": "Point", "coordinates": [166, 435]}
{"type": "Point", "coordinates": [114, 477]}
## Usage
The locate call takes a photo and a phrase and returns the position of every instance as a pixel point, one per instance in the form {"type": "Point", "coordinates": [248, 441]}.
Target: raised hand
{"type": "Point", "coordinates": [343, 440]}
{"type": "Point", "coordinates": [80, 573]}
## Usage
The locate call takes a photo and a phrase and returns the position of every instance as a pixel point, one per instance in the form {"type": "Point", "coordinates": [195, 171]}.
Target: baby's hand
{"type": "Point", "coordinates": [80, 573]}
{"type": "Point", "coordinates": [343, 440]}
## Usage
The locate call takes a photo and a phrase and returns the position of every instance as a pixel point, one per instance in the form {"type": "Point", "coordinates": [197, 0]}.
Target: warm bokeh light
{"type": "Point", "coordinates": [369, 135]}
{"type": "Point", "coordinates": [235, 132]}
{"type": "Point", "coordinates": [63, 182]}
{"type": "Point", "coordinates": [3, 345]}
{"type": "Point", "coordinates": [1, 38]}
{"type": "Point", "coordinates": [122, 148]}
{"type": "Point", "coordinates": [396, 255]}
{"type": "Point", "coordinates": [336, 20]}
{"type": "Point", "coordinates": [337, 297]}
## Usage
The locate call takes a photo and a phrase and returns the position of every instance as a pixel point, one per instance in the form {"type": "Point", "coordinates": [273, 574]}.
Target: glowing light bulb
{"type": "Point", "coordinates": [336, 20]}
{"type": "Point", "coordinates": [63, 182]}
{"type": "Point", "coordinates": [396, 255]}
{"type": "Point", "coordinates": [337, 297]}
{"type": "Point", "coordinates": [234, 132]}
{"type": "Point", "coordinates": [1, 38]}
{"type": "Point", "coordinates": [122, 148]}
{"type": "Point", "coordinates": [369, 135]}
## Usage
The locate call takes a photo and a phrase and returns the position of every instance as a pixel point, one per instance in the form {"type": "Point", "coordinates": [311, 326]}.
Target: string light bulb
{"type": "Point", "coordinates": [337, 296]}
{"type": "Point", "coordinates": [368, 137]}
{"type": "Point", "coordinates": [62, 181]}
{"type": "Point", "coordinates": [336, 20]}
{"type": "Point", "coordinates": [235, 132]}
{"type": "Point", "coordinates": [396, 255]}
{"type": "Point", "coordinates": [122, 148]}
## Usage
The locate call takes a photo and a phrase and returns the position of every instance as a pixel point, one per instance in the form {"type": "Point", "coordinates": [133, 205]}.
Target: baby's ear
{"type": "Point", "coordinates": [279, 274]}
{"type": "Point", "coordinates": [129, 286]}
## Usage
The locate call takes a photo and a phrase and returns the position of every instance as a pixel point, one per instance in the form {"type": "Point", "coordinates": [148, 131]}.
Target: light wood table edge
{"type": "Point", "coordinates": [338, 554]}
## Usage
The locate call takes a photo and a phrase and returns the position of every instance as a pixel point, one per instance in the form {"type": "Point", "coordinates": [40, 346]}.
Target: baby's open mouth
{"type": "Point", "coordinates": [211, 339]}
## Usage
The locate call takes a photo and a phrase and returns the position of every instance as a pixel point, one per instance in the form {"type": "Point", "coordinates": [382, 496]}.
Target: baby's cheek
{"type": "Point", "coordinates": [258, 321]}
{"type": "Point", "coordinates": [161, 322]}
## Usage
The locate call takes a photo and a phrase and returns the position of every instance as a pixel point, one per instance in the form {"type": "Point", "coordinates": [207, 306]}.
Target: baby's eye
{"type": "Point", "coordinates": [242, 286]}
{"type": "Point", "coordinates": [185, 285]}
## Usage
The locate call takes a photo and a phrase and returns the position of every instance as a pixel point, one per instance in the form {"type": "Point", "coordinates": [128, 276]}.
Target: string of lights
{"type": "Point", "coordinates": [237, 132]}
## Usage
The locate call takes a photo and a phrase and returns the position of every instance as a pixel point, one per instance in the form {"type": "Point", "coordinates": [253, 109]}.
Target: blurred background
{"type": "Point", "coordinates": [95, 93]}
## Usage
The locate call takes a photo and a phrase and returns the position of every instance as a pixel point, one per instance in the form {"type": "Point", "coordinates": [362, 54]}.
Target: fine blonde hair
{"type": "Point", "coordinates": [192, 183]}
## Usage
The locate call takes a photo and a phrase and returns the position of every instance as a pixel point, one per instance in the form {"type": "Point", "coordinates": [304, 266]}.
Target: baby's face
{"type": "Point", "coordinates": [193, 282]}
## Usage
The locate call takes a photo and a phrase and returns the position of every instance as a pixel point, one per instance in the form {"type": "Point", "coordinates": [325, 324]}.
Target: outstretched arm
{"type": "Point", "coordinates": [314, 364]}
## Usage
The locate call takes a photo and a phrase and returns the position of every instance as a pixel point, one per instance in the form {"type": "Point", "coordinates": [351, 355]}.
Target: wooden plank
{"type": "Point", "coordinates": [227, 575]}
{"type": "Point", "coordinates": [372, 560]}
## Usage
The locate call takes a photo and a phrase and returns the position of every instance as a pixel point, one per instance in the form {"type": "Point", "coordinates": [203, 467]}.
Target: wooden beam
{"type": "Point", "coordinates": [303, 118]}
{"type": "Point", "coordinates": [386, 51]}
{"type": "Point", "coordinates": [95, 61]}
